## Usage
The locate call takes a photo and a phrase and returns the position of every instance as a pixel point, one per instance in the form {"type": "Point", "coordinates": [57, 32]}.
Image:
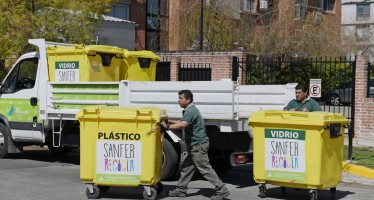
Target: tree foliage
{"type": "Point", "coordinates": [219, 27]}
{"type": "Point", "coordinates": [55, 20]}
{"type": "Point", "coordinates": [227, 28]}
{"type": "Point", "coordinates": [287, 36]}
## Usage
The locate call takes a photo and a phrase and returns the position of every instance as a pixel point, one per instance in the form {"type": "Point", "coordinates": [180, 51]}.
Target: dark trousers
{"type": "Point", "coordinates": [198, 159]}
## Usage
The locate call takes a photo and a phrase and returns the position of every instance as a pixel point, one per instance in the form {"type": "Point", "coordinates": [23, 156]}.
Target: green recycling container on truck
{"type": "Point", "coordinates": [121, 146]}
{"type": "Point", "coordinates": [298, 150]}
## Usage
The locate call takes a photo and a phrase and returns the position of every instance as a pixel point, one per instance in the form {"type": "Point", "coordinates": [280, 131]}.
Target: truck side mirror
{"type": "Point", "coordinates": [33, 101]}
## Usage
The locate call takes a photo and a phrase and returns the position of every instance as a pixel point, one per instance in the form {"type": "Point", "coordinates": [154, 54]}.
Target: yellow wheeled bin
{"type": "Point", "coordinates": [298, 150]}
{"type": "Point", "coordinates": [139, 66]}
{"type": "Point", "coordinates": [121, 146]}
{"type": "Point", "coordinates": [84, 63]}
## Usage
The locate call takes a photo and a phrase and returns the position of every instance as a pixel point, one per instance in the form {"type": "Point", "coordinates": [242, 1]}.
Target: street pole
{"type": "Point", "coordinates": [201, 23]}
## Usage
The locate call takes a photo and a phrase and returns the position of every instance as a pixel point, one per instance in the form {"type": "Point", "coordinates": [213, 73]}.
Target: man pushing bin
{"type": "Point", "coordinates": [197, 147]}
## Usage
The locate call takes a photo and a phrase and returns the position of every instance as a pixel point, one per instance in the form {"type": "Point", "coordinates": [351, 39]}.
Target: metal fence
{"type": "Point", "coordinates": [370, 81]}
{"type": "Point", "coordinates": [163, 71]}
{"type": "Point", "coordinates": [194, 72]}
{"type": "Point", "coordinates": [337, 77]}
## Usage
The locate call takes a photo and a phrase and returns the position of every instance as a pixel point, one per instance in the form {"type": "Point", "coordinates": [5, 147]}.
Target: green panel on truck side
{"type": "Point", "coordinates": [18, 110]}
{"type": "Point", "coordinates": [86, 86]}
{"type": "Point", "coordinates": [61, 93]}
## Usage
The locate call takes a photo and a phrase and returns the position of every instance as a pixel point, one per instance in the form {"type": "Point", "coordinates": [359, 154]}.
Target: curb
{"type": "Point", "coordinates": [358, 170]}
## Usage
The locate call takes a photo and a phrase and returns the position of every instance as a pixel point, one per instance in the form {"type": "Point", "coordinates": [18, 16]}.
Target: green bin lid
{"type": "Point", "coordinates": [297, 118]}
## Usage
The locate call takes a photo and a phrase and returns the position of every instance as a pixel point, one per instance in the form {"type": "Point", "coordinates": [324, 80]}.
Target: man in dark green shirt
{"type": "Point", "coordinates": [197, 143]}
{"type": "Point", "coordinates": [302, 102]}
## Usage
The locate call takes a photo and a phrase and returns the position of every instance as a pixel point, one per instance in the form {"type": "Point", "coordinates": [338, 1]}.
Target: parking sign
{"type": "Point", "coordinates": [315, 88]}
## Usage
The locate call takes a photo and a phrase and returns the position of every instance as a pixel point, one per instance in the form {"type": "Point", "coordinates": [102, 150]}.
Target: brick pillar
{"type": "Point", "coordinates": [221, 67]}
{"type": "Point", "coordinates": [364, 107]}
{"type": "Point", "coordinates": [174, 68]}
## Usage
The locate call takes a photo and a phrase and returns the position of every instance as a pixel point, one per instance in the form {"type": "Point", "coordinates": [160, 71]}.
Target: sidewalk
{"type": "Point", "coordinates": [358, 174]}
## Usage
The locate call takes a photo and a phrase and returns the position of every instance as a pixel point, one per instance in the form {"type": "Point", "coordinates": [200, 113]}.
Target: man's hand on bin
{"type": "Point", "coordinates": [305, 109]}
{"type": "Point", "coordinates": [165, 125]}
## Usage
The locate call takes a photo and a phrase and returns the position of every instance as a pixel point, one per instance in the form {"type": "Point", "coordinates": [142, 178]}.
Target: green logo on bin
{"type": "Point", "coordinates": [285, 134]}
{"type": "Point", "coordinates": [67, 65]}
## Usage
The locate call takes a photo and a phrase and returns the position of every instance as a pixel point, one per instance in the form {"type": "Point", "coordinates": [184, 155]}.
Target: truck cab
{"type": "Point", "coordinates": [19, 105]}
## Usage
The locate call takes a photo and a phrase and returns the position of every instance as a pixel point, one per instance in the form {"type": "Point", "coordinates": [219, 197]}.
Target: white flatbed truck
{"type": "Point", "coordinates": [36, 111]}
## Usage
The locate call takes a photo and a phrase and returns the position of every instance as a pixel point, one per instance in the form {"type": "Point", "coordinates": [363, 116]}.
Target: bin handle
{"type": "Point", "coordinates": [144, 112]}
{"type": "Point", "coordinates": [288, 114]}
{"type": "Point", "coordinates": [153, 129]}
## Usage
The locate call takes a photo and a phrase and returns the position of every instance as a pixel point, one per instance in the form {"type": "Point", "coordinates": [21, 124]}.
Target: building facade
{"type": "Point", "coordinates": [358, 24]}
{"type": "Point", "coordinates": [159, 23]}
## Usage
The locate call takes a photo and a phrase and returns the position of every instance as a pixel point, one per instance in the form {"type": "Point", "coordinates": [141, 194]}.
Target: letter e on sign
{"type": "Point", "coordinates": [315, 88]}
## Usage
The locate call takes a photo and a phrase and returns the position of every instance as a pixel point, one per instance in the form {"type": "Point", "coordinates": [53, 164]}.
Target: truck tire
{"type": "Point", "coordinates": [4, 137]}
{"type": "Point", "coordinates": [170, 160]}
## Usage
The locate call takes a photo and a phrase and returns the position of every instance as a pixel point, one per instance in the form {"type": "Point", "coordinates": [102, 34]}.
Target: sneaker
{"type": "Point", "coordinates": [220, 196]}
{"type": "Point", "coordinates": [176, 193]}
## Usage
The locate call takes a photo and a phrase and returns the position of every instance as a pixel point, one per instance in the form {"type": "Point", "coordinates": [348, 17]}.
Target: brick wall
{"type": "Point", "coordinates": [220, 62]}
{"type": "Point", "coordinates": [364, 107]}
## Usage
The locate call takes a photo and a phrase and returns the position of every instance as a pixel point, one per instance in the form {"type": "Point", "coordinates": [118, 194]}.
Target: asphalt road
{"type": "Point", "coordinates": [38, 175]}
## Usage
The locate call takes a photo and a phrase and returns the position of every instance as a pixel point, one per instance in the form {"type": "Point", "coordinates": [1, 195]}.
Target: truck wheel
{"type": "Point", "coordinates": [170, 160]}
{"type": "Point", "coordinates": [4, 137]}
{"type": "Point", "coordinates": [59, 150]}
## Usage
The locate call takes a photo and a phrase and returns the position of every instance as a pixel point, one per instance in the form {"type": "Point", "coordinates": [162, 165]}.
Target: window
{"type": "Point", "coordinates": [152, 22]}
{"type": "Point", "coordinates": [301, 9]}
{"type": "Point", "coordinates": [362, 32]}
{"type": "Point", "coordinates": [153, 25]}
{"type": "Point", "coordinates": [363, 12]}
{"type": "Point", "coordinates": [370, 88]}
{"type": "Point", "coordinates": [328, 5]}
{"type": "Point", "coordinates": [22, 76]}
{"type": "Point", "coordinates": [248, 5]}
{"type": "Point", "coordinates": [120, 11]}
{"type": "Point", "coordinates": [153, 41]}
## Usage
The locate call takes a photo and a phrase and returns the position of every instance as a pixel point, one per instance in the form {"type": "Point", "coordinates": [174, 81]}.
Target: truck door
{"type": "Point", "coordinates": [19, 101]}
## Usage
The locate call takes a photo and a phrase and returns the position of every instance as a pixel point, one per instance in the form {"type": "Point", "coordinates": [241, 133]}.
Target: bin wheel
{"type": "Point", "coordinates": [313, 194]}
{"type": "Point", "coordinates": [262, 192]}
{"type": "Point", "coordinates": [159, 187]}
{"type": "Point", "coordinates": [95, 194]}
{"type": "Point", "coordinates": [283, 189]}
{"type": "Point", "coordinates": [103, 189]}
{"type": "Point", "coordinates": [333, 192]}
{"type": "Point", "coordinates": [153, 195]}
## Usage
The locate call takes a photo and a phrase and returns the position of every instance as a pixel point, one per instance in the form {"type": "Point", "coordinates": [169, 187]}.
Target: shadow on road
{"type": "Point", "coordinates": [44, 155]}
{"type": "Point", "coordinates": [296, 194]}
